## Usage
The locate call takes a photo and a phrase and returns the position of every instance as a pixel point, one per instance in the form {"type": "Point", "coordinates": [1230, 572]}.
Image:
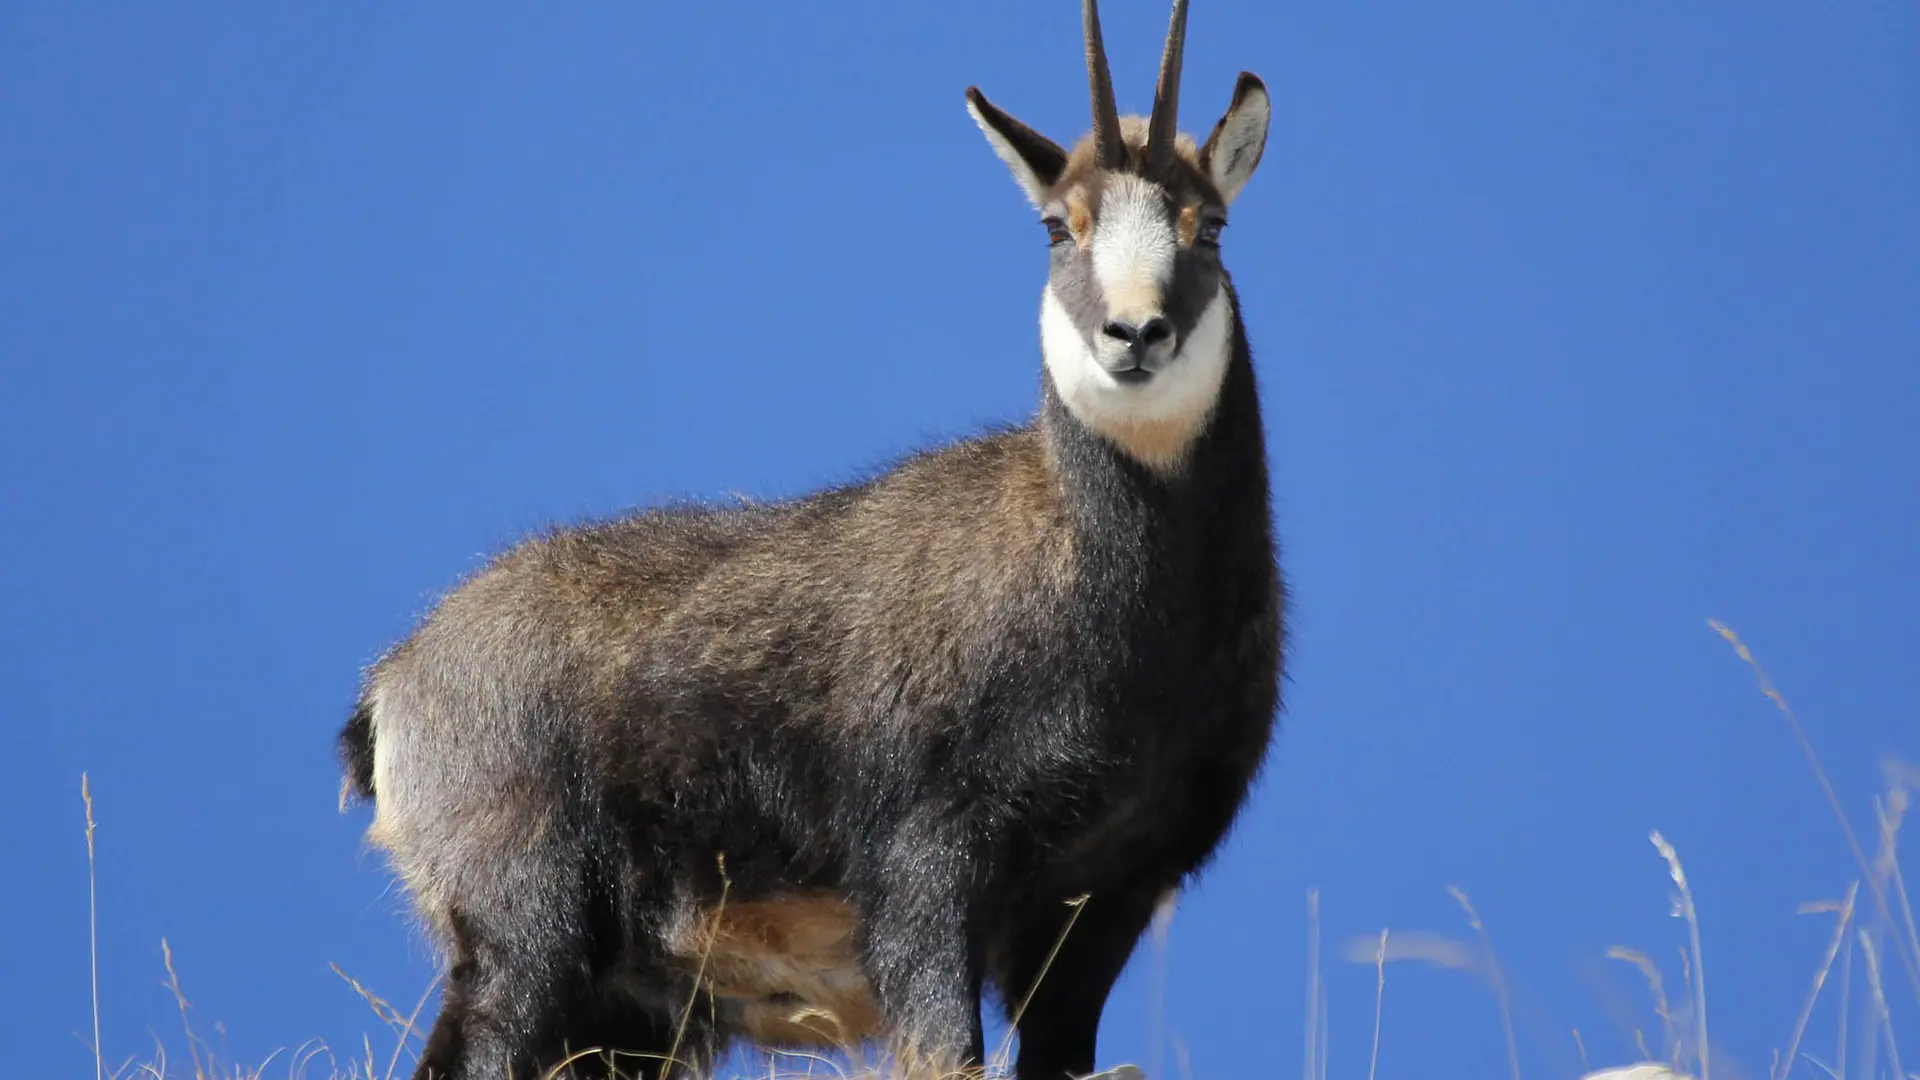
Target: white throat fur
{"type": "Point", "coordinates": [1154, 422]}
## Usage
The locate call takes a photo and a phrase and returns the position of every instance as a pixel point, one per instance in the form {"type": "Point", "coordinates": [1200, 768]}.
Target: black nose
{"type": "Point", "coordinates": [1144, 336]}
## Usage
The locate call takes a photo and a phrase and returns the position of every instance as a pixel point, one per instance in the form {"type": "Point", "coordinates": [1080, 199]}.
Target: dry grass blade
{"type": "Point", "coordinates": [1884, 1028]}
{"type": "Point", "coordinates": [1686, 995]}
{"type": "Point", "coordinates": [1494, 974]}
{"type": "Point", "coordinates": [1891, 813]}
{"type": "Point", "coordinates": [1846, 1006]}
{"type": "Point", "coordinates": [186, 1021]}
{"type": "Point", "coordinates": [304, 1054]}
{"type": "Point", "coordinates": [407, 1031]}
{"type": "Point", "coordinates": [1157, 1035]}
{"type": "Point", "coordinates": [1909, 960]}
{"type": "Point", "coordinates": [1322, 1039]}
{"type": "Point", "coordinates": [1651, 972]}
{"type": "Point", "coordinates": [1313, 984]}
{"type": "Point", "coordinates": [1078, 904]}
{"type": "Point", "coordinates": [1844, 909]}
{"type": "Point", "coordinates": [1822, 1066]}
{"type": "Point", "coordinates": [1420, 946]}
{"type": "Point", "coordinates": [93, 932]}
{"type": "Point", "coordinates": [810, 1057]}
{"type": "Point", "coordinates": [700, 976]}
{"type": "Point", "coordinates": [388, 1015]}
{"type": "Point", "coordinates": [609, 1058]}
{"type": "Point", "coordinates": [257, 1070]}
{"type": "Point", "coordinates": [1698, 974]}
{"type": "Point", "coordinates": [1379, 1000]}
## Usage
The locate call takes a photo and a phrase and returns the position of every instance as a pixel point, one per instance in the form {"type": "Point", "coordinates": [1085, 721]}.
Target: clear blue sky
{"type": "Point", "coordinates": [1577, 325]}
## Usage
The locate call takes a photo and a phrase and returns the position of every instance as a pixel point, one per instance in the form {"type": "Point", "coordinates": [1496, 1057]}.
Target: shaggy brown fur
{"type": "Point", "coordinates": [830, 768]}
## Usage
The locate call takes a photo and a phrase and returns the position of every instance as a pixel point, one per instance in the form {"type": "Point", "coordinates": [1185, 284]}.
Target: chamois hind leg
{"type": "Point", "coordinates": [1064, 999]}
{"type": "Point", "coordinates": [522, 970]}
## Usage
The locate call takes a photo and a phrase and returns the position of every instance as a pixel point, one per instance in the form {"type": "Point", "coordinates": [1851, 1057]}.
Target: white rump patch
{"type": "Point", "coordinates": [1154, 422]}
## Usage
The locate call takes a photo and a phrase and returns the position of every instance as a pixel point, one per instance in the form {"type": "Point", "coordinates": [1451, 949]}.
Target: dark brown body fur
{"type": "Point", "coordinates": [827, 769]}
{"type": "Point", "coordinates": [1003, 675]}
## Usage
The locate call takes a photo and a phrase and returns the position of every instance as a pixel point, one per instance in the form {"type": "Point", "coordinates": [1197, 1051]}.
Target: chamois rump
{"type": "Point", "coordinates": [822, 770]}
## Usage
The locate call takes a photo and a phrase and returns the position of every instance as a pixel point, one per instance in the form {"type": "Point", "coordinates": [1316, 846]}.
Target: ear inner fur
{"type": "Point", "coordinates": [1036, 161]}
{"type": "Point", "coordinates": [1240, 134]}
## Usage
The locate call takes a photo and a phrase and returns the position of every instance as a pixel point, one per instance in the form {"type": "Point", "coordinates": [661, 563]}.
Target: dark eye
{"type": "Point", "coordinates": [1057, 231]}
{"type": "Point", "coordinates": [1209, 235]}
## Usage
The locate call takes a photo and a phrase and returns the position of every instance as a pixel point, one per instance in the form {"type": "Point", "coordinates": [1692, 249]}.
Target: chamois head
{"type": "Point", "coordinates": [1136, 323]}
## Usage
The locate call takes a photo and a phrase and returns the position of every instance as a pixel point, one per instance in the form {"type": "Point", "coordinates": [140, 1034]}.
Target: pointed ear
{"type": "Point", "coordinates": [1239, 138]}
{"type": "Point", "coordinates": [1035, 160]}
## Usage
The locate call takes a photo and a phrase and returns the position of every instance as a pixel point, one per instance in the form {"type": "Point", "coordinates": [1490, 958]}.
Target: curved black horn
{"type": "Point", "coordinates": [1108, 149]}
{"type": "Point", "coordinates": [1164, 127]}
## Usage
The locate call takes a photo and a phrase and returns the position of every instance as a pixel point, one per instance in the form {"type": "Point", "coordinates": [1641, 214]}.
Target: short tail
{"type": "Point", "coordinates": [356, 750]}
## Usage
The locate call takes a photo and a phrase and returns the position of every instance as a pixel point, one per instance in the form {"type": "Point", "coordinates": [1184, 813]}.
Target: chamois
{"type": "Point", "coordinates": [824, 770]}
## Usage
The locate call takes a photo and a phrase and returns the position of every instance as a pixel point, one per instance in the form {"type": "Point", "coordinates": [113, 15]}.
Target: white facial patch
{"type": "Point", "coordinates": [1154, 422]}
{"type": "Point", "coordinates": [1133, 248]}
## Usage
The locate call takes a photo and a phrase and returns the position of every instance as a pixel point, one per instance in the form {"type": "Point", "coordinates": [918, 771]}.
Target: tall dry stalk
{"type": "Point", "coordinates": [1844, 909]}
{"type": "Point", "coordinates": [186, 1021]}
{"type": "Point", "coordinates": [1379, 1000]}
{"type": "Point", "coordinates": [1887, 861]}
{"type": "Point", "coordinates": [93, 932]}
{"type": "Point", "coordinates": [1494, 974]}
{"type": "Point", "coordinates": [1078, 904]}
{"type": "Point", "coordinates": [1650, 971]}
{"type": "Point", "coordinates": [1698, 977]}
{"type": "Point", "coordinates": [1311, 1069]}
{"type": "Point", "coordinates": [1162, 926]}
{"type": "Point", "coordinates": [1909, 960]}
{"type": "Point", "coordinates": [1882, 1029]}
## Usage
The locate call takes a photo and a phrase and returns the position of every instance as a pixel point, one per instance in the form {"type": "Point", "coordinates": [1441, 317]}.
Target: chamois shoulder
{"type": "Point", "coordinates": [964, 523]}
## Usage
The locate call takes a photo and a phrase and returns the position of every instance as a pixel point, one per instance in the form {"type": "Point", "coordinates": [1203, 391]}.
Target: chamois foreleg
{"type": "Point", "coordinates": [1063, 999]}
{"type": "Point", "coordinates": [922, 942]}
